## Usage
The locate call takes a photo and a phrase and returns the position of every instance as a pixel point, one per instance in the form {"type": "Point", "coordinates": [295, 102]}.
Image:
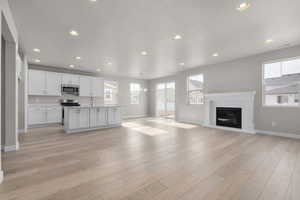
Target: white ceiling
{"type": "Point", "coordinates": [118, 30]}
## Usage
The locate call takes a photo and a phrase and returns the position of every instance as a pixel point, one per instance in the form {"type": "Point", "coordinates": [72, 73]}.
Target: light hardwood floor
{"type": "Point", "coordinates": [152, 159]}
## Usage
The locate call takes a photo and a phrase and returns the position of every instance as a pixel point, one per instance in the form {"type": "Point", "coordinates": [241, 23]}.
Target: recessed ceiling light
{"type": "Point", "coordinates": [177, 37]}
{"type": "Point", "coordinates": [109, 63]}
{"type": "Point", "coordinates": [99, 69]}
{"type": "Point", "coordinates": [37, 50]}
{"type": "Point", "coordinates": [72, 66]}
{"type": "Point", "coordinates": [182, 64]}
{"type": "Point", "coordinates": [93, 1]}
{"type": "Point", "coordinates": [78, 58]}
{"type": "Point", "coordinates": [74, 33]}
{"type": "Point", "coordinates": [37, 60]}
{"type": "Point", "coordinates": [269, 41]}
{"type": "Point", "coordinates": [144, 53]}
{"type": "Point", "coordinates": [215, 55]}
{"type": "Point", "coordinates": [243, 6]}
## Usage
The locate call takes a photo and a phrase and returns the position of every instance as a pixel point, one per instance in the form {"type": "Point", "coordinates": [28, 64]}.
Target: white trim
{"type": "Point", "coordinates": [134, 116]}
{"type": "Point", "coordinates": [230, 129]}
{"type": "Point", "coordinates": [286, 135]}
{"type": "Point", "coordinates": [1, 176]}
{"type": "Point", "coordinates": [190, 122]}
{"type": "Point", "coordinates": [11, 148]}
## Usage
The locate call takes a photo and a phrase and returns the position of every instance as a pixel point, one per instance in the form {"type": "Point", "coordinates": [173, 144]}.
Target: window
{"type": "Point", "coordinates": [110, 92]}
{"type": "Point", "coordinates": [195, 89]}
{"type": "Point", "coordinates": [281, 83]}
{"type": "Point", "coordinates": [135, 93]}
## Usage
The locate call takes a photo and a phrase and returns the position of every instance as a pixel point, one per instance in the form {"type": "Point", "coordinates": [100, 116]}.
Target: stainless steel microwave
{"type": "Point", "coordinates": [70, 90]}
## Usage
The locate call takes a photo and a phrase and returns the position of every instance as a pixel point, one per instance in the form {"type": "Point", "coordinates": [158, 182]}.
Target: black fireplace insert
{"type": "Point", "coordinates": [229, 117]}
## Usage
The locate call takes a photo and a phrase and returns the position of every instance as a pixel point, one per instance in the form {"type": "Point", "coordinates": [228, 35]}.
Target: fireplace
{"type": "Point", "coordinates": [229, 117]}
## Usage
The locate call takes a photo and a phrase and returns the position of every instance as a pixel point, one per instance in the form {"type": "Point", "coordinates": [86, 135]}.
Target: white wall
{"type": "Point", "coordinates": [243, 74]}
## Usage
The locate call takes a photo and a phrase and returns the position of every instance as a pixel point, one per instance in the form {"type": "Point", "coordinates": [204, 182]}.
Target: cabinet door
{"type": "Point", "coordinates": [53, 83]}
{"type": "Point", "coordinates": [114, 116]}
{"type": "Point", "coordinates": [97, 87]}
{"type": "Point", "coordinates": [85, 86]}
{"type": "Point", "coordinates": [93, 117]}
{"type": "Point", "coordinates": [73, 117]}
{"type": "Point", "coordinates": [54, 114]}
{"type": "Point", "coordinates": [84, 119]}
{"type": "Point", "coordinates": [75, 79]}
{"type": "Point", "coordinates": [70, 79]}
{"type": "Point", "coordinates": [36, 82]}
{"type": "Point", "coordinates": [98, 117]}
{"type": "Point", "coordinates": [36, 115]}
{"type": "Point", "coordinates": [102, 116]}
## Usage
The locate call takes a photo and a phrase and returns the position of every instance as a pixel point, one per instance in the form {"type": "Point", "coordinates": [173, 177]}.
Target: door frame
{"type": "Point", "coordinates": [156, 99]}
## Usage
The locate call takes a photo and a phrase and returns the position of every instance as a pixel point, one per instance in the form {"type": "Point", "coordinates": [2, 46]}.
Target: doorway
{"type": "Point", "coordinates": [165, 100]}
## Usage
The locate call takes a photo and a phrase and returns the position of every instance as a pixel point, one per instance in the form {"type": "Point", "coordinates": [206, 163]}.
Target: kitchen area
{"type": "Point", "coordinates": [76, 102]}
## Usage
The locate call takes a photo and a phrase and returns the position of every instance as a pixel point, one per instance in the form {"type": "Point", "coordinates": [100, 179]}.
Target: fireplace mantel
{"type": "Point", "coordinates": [244, 100]}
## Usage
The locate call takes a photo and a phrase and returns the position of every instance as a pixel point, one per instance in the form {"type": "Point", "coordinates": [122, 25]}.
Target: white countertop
{"type": "Point", "coordinates": [95, 106]}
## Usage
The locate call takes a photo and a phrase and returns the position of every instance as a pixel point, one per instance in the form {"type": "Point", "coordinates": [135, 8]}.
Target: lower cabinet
{"type": "Point", "coordinates": [78, 118]}
{"type": "Point", "coordinates": [98, 117]}
{"type": "Point", "coordinates": [114, 115]}
{"type": "Point", "coordinates": [91, 118]}
{"type": "Point", "coordinates": [44, 114]}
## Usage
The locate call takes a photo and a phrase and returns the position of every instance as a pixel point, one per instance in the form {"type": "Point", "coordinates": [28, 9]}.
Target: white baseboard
{"type": "Point", "coordinates": [231, 129]}
{"type": "Point", "coordinates": [287, 135]}
{"type": "Point", "coordinates": [11, 148]}
{"type": "Point", "coordinates": [1, 176]}
{"type": "Point", "coordinates": [190, 122]}
{"type": "Point", "coordinates": [134, 116]}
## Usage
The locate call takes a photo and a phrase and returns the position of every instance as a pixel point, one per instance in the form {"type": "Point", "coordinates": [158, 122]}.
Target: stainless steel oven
{"type": "Point", "coordinates": [70, 90]}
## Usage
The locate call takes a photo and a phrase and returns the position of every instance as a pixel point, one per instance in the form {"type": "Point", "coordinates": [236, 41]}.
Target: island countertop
{"type": "Point", "coordinates": [94, 106]}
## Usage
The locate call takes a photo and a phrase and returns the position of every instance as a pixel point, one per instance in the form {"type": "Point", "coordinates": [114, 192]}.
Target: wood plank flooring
{"type": "Point", "coordinates": [151, 159]}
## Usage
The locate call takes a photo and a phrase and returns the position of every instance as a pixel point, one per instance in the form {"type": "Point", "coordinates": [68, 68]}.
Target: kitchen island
{"type": "Point", "coordinates": [84, 118]}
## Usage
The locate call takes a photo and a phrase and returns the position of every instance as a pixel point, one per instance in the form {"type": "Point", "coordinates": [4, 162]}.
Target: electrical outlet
{"type": "Point", "coordinates": [273, 123]}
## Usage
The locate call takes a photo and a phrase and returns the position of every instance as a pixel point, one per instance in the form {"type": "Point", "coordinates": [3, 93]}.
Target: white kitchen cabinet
{"type": "Point", "coordinates": [78, 118]}
{"type": "Point", "coordinates": [36, 115]}
{"type": "Point", "coordinates": [114, 115]}
{"type": "Point", "coordinates": [91, 86]}
{"type": "Point", "coordinates": [70, 79]}
{"type": "Point", "coordinates": [84, 121]}
{"type": "Point", "coordinates": [36, 82]}
{"type": "Point", "coordinates": [53, 114]}
{"type": "Point", "coordinates": [44, 83]}
{"type": "Point", "coordinates": [85, 86]}
{"type": "Point", "coordinates": [97, 87]}
{"type": "Point", "coordinates": [98, 117]}
{"type": "Point", "coordinates": [44, 114]}
{"type": "Point", "coordinates": [53, 83]}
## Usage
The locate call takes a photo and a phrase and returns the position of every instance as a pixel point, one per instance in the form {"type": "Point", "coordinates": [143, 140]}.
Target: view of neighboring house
{"type": "Point", "coordinates": [282, 85]}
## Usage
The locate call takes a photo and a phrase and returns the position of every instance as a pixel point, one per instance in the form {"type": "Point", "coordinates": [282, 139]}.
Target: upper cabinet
{"type": "Point", "coordinates": [97, 87]}
{"type": "Point", "coordinates": [91, 86]}
{"type": "Point", "coordinates": [44, 83]}
{"type": "Point", "coordinates": [53, 83]}
{"type": "Point", "coordinates": [70, 79]}
{"type": "Point", "coordinates": [85, 86]}
{"type": "Point", "coordinates": [49, 83]}
{"type": "Point", "coordinates": [36, 82]}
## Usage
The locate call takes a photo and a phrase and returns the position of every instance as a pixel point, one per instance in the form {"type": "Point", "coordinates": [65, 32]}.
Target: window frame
{"type": "Point", "coordinates": [117, 92]}
{"type": "Point", "coordinates": [189, 91]}
{"type": "Point", "coordinates": [263, 85]}
{"type": "Point", "coordinates": [138, 93]}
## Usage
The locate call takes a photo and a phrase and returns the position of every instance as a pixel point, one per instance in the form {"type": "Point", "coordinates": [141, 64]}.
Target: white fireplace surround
{"type": "Point", "coordinates": [243, 100]}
